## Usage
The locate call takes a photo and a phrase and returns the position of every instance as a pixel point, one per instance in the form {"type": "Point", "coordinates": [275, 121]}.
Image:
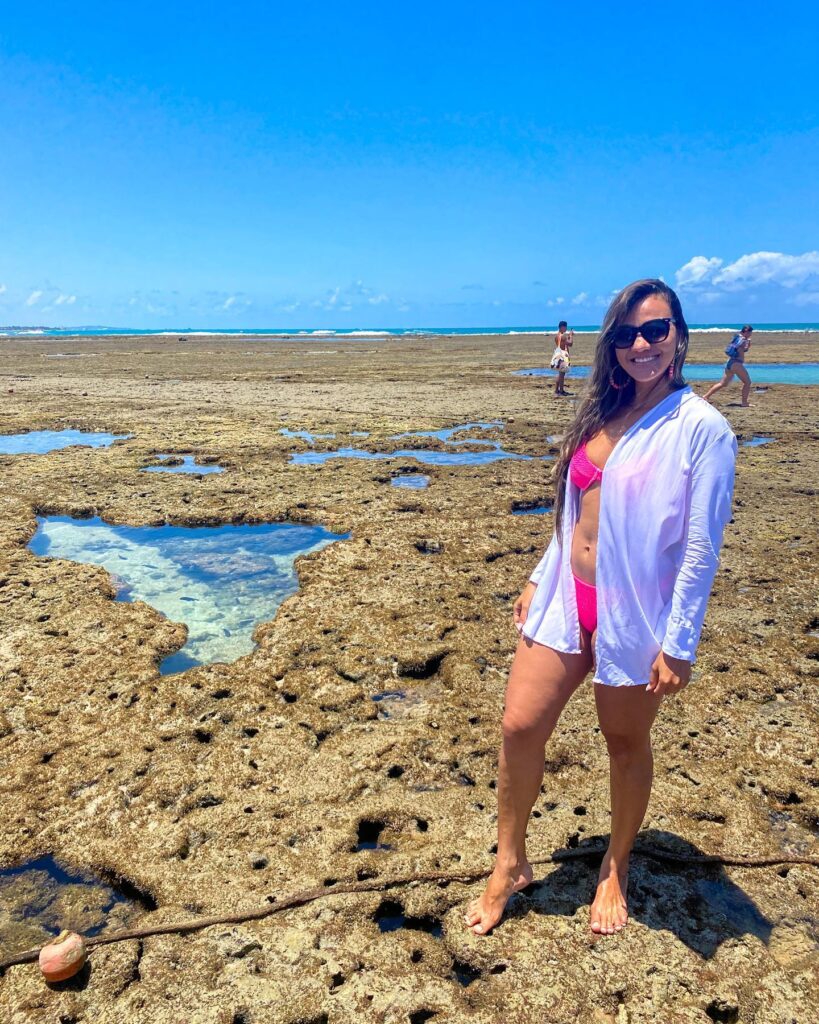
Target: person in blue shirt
{"type": "Point", "coordinates": [740, 344]}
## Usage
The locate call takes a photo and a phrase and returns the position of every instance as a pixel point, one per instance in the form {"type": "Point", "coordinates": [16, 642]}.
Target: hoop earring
{"type": "Point", "coordinates": [672, 366]}
{"type": "Point", "coordinates": [614, 384]}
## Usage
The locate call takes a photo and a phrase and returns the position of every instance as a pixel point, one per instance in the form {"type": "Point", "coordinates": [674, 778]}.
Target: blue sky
{"type": "Point", "coordinates": [406, 164]}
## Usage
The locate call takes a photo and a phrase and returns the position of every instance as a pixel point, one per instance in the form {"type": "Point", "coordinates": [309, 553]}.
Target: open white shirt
{"type": "Point", "coordinates": [665, 498]}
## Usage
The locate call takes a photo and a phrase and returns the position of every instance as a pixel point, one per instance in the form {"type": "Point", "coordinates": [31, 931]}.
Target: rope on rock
{"type": "Point", "coordinates": [299, 899]}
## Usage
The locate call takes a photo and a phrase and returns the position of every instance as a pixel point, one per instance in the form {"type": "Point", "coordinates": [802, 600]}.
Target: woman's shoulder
{"type": "Point", "coordinates": [704, 423]}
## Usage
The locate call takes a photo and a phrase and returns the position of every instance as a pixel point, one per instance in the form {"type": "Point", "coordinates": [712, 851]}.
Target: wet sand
{"type": "Point", "coordinates": [212, 790]}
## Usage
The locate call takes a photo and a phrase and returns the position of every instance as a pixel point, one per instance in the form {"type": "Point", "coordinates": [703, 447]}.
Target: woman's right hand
{"type": "Point", "coordinates": [521, 606]}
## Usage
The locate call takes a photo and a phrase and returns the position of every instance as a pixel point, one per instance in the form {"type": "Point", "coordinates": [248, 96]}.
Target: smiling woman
{"type": "Point", "coordinates": [644, 487]}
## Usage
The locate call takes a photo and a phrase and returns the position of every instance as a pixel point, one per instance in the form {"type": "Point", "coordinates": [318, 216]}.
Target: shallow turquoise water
{"type": "Point", "coordinates": [41, 442]}
{"type": "Point", "coordinates": [761, 373]}
{"type": "Point", "coordinates": [221, 581]}
{"type": "Point", "coordinates": [755, 442]}
{"type": "Point", "coordinates": [188, 465]}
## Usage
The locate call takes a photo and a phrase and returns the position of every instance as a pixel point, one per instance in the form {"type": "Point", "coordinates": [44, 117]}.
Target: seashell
{"type": "Point", "coordinates": [63, 957]}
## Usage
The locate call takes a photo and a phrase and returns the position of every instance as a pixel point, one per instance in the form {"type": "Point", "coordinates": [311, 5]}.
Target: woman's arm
{"type": "Point", "coordinates": [710, 493]}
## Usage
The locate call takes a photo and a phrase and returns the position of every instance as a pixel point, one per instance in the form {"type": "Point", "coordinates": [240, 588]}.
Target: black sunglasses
{"type": "Point", "coordinates": [654, 331]}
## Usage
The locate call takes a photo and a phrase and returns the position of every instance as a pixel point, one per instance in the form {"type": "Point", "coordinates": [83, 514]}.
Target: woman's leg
{"type": "Point", "coordinates": [726, 379]}
{"type": "Point", "coordinates": [626, 714]}
{"type": "Point", "coordinates": [745, 377]}
{"type": "Point", "coordinates": [540, 683]}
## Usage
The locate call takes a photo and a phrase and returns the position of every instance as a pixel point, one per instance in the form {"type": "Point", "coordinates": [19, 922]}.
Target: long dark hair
{"type": "Point", "coordinates": [602, 399]}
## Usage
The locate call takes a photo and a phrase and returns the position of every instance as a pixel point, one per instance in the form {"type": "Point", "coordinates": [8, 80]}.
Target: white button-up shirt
{"type": "Point", "coordinates": [665, 498]}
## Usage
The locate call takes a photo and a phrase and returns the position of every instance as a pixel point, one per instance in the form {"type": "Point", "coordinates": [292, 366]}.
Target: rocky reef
{"type": "Point", "coordinates": [359, 738]}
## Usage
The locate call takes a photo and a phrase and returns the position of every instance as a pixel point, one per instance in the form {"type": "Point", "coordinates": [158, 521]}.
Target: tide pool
{"type": "Point", "coordinates": [220, 581]}
{"type": "Point", "coordinates": [41, 442]}
{"type": "Point", "coordinates": [412, 481]}
{"type": "Point", "coordinates": [491, 450]}
{"type": "Point", "coordinates": [533, 510]}
{"type": "Point", "coordinates": [423, 455]}
{"type": "Point", "coordinates": [188, 465]}
{"type": "Point", "coordinates": [305, 435]}
{"type": "Point", "coordinates": [447, 433]}
{"type": "Point", "coordinates": [761, 373]}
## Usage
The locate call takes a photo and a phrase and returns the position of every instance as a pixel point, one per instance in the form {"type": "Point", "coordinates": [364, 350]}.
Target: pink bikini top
{"type": "Point", "coordinates": [582, 471]}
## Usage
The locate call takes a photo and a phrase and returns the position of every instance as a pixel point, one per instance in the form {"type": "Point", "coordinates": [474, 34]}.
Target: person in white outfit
{"type": "Point", "coordinates": [644, 488]}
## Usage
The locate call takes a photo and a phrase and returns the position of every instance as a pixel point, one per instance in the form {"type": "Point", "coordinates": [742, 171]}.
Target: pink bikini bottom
{"type": "Point", "coordinates": [586, 604]}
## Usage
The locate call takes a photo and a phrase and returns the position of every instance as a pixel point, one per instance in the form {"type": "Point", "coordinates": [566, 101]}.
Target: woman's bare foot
{"type": "Point", "coordinates": [609, 913]}
{"type": "Point", "coordinates": [484, 913]}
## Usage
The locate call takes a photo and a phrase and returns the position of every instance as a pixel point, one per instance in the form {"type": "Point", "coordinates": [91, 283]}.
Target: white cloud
{"type": "Point", "coordinates": [769, 267]}
{"type": "Point", "coordinates": [65, 300]}
{"type": "Point", "coordinates": [34, 298]}
{"type": "Point", "coordinates": [806, 299]}
{"type": "Point", "coordinates": [377, 300]}
{"type": "Point", "coordinates": [231, 301]}
{"type": "Point", "coordinates": [749, 271]}
{"type": "Point", "coordinates": [580, 298]}
{"type": "Point", "coordinates": [2, 289]}
{"type": "Point", "coordinates": [698, 270]}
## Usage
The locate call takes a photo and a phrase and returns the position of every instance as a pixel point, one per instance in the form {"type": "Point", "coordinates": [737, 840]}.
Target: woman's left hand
{"type": "Point", "coordinates": [668, 675]}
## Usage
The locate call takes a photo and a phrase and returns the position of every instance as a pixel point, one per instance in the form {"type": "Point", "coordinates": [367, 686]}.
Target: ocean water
{"type": "Point", "coordinates": [221, 581]}
{"type": "Point", "coordinates": [760, 373]}
{"type": "Point", "coordinates": [188, 465]}
{"type": "Point", "coordinates": [41, 442]}
{"type": "Point", "coordinates": [306, 334]}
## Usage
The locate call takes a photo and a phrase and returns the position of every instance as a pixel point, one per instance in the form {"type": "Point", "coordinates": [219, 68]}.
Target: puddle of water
{"type": "Point", "coordinates": [491, 450]}
{"type": "Point", "coordinates": [188, 465]}
{"type": "Point", "coordinates": [39, 899]}
{"type": "Point", "coordinates": [221, 581]}
{"type": "Point", "coordinates": [413, 481]}
{"type": "Point", "coordinates": [465, 973]}
{"type": "Point", "coordinates": [447, 433]}
{"type": "Point", "coordinates": [423, 455]}
{"type": "Point", "coordinates": [305, 435]}
{"type": "Point", "coordinates": [755, 442]}
{"type": "Point", "coordinates": [533, 510]}
{"type": "Point", "coordinates": [763, 373]}
{"type": "Point", "coordinates": [41, 442]}
{"type": "Point", "coordinates": [369, 836]}
{"type": "Point", "coordinates": [359, 433]}
{"type": "Point", "coordinates": [390, 917]}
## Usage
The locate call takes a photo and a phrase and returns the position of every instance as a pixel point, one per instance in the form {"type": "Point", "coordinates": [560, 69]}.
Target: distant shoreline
{"type": "Point", "coordinates": [338, 334]}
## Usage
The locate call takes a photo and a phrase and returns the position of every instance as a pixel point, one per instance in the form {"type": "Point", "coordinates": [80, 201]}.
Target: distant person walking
{"type": "Point", "coordinates": [564, 339]}
{"type": "Point", "coordinates": [740, 343]}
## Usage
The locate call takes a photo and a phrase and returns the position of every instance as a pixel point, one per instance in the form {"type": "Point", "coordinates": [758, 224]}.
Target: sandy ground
{"type": "Point", "coordinates": [215, 789]}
